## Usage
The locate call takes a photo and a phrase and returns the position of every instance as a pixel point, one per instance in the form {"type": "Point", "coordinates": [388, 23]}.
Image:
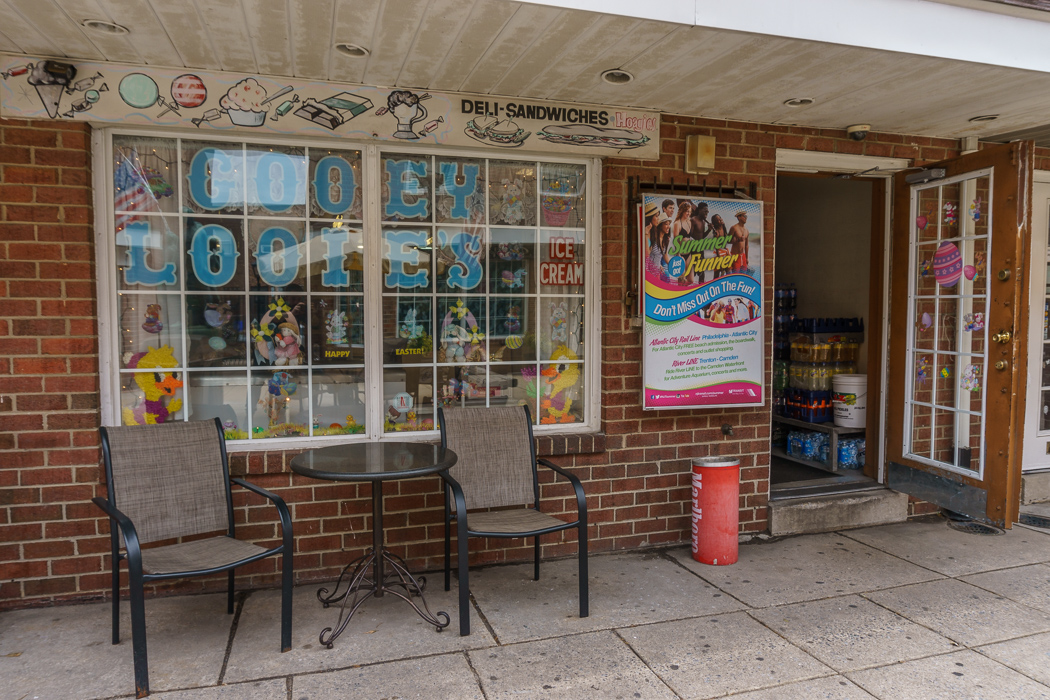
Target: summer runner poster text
{"type": "Point", "coordinates": [702, 302]}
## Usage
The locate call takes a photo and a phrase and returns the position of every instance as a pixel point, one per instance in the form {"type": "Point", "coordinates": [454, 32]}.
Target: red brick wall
{"type": "Point", "coordinates": [53, 544]}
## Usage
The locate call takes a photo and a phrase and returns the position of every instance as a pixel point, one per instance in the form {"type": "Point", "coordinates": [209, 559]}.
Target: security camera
{"type": "Point", "coordinates": [858, 132]}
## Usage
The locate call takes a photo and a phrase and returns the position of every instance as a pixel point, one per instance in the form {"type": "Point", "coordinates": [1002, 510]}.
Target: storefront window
{"type": "Point", "coordinates": [241, 287]}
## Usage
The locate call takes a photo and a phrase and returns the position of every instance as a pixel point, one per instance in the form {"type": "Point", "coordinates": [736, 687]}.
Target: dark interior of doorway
{"type": "Point", "coordinates": [823, 248]}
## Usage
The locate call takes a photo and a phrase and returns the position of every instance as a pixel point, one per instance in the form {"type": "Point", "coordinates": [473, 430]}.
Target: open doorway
{"type": "Point", "coordinates": [825, 322]}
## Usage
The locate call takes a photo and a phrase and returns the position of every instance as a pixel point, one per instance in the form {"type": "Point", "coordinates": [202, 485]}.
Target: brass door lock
{"type": "Point", "coordinates": [1002, 365]}
{"type": "Point", "coordinates": [1002, 337]}
{"type": "Point", "coordinates": [1003, 275]}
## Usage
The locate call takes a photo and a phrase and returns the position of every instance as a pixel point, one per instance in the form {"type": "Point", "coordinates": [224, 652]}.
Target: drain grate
{"type": "Point", "coordinates": [972, 528]}
{"type": "Point", "coordinates": [1034, 520]}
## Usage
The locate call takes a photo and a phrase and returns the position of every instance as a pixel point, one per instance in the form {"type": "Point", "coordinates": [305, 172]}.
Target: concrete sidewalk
{"type": "Point", "coordinates": [907, 611]}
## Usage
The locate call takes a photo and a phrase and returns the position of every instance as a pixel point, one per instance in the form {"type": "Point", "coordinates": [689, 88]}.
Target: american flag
{"type": "Point", "coordinates": [131, 192]}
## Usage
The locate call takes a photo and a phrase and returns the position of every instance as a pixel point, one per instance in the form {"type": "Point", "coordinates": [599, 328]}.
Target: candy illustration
{"type": "Point", "coordinates": [188, 90]}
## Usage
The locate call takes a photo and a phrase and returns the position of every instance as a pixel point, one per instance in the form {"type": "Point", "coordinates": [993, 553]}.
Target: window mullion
{"type": "Point", "coordinates": [373, 297]}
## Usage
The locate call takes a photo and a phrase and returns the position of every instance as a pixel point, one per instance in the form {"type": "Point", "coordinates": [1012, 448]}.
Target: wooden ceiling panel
{"type": "Point", "coordinates": [607, 31]}
{"type": "Point", "coordinates": [28, 37]}
{"type": "Point", "coordinates": [395, 33]}
{"type": "Point", "coordinates": [437, 34]}
{"type": "Point", "coordinates": [61, 30]}
{"type": "Point", "coordinates": [527, 25]}
{"type": "Point", "coordinates": [267, 23]}
{"type": "Point", "coordinates": [354, 23]}
{"type": "Point", "coordinates": [226, 23]}
{"type": "Point", "coordinates": [310, 26]}
{"type": "Point", "coordinates": [536, 59]}
{"type": "Point", "coordinates": [112, 47]}
{"type": "Point", "coordinates": [486, 20]}
{"type": "Point", "coordinates": [148, 36]}
{"type": "Point", "coordinates": [187, 32]}
{"type": "Point", "coordinates": [7, 44]}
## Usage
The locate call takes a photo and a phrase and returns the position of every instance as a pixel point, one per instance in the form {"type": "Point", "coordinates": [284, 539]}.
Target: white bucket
{"type": "Point", "coordinates": [849, 398]}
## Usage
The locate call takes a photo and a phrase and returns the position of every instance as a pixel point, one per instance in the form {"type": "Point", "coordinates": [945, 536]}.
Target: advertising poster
{"type": "Point", "coordinates": [701, 302]}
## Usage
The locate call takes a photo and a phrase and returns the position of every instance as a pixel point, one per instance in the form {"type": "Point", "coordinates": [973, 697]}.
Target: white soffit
{"type": "Point", "coordinates": [919, 27]}
{"type": "Point", "coordinates": [812, 161]}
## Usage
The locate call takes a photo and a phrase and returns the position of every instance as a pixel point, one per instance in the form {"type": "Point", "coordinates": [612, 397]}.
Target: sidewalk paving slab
{"type": "Point", "coordinates": [1028, 585]}
{"type": "Point", "coordinates": [711, 656]}
{"type": "Point", "coordinates": [1027, 655]}
{"type": "Point", "coordinates": [963, 675]}
{"type": "Point", "coordinates": [851, 633]}
{"type": "Point", "coordinates": [445, 677]}
{"type": "Point", "coordinates": [827, 688]}
{"type": "Point", "coordinates": [275, 689]}
{"type": "Point", "coordinates": [66, 651]}
{"type": "Point", "coordinates": [964, 613]}
{"type": "Point", "coordinates": [937, 547]}
{"type": "Point", "coordinates": [383, 629]}
{"type": "Point", "coordinates": [625, 590]}
{"type": "Point", "coordinates": [593, 665]}
{"type": "Point", "coordinates": [808, 567]}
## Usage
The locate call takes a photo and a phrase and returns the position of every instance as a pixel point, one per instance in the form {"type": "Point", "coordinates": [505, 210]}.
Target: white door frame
{"type": "Point", "coordinates": [1035, 455]}
{"type": "Point", "coordinates": [789, 161]}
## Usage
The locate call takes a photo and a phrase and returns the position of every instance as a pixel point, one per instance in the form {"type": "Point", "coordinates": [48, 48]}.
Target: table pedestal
{"type": "Point", "coordinates": [390, 574]}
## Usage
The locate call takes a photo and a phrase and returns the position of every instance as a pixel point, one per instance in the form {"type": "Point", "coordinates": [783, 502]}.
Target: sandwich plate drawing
{"type": "Point", "coordinates": [587, 135]}
{"type": "Point", "coordinates": [504, 133]}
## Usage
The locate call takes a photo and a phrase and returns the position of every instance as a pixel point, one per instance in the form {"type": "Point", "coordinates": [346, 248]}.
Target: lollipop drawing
{"type": "Point", "coordinates": [140, 91]}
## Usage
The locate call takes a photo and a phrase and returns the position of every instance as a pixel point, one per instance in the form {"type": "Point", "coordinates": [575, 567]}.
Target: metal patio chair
{"type": "Point", "coordinates": [497, 468]}
{"type": "Point", "coordinates": [169, 481]}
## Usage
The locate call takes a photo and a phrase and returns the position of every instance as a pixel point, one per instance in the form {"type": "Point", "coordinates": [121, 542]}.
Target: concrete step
{"type": "Point", "coordinates": [796, 516]}
{"type": "Point", "coordinates": [1035, 487]}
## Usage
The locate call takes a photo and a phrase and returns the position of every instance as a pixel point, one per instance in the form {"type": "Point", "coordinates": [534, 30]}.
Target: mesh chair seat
{"type": "Point", "coordinates": [508, 521]}
{"type": "Point", "coordinates": [210, 553]}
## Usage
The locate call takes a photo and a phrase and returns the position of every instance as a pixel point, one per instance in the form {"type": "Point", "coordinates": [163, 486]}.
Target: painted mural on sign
{"type": "Point", "coordinates": [111, 94]}
{"type": "Point", "coordinates": [702, 302]}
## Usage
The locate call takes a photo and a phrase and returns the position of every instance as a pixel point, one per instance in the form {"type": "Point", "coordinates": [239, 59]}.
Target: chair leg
{"type": "Point", "coordinates": [286, 600]}
{"type": "Point", "coordinates": [585, 605]}
{"type": "Point", "coordinates": [448, 553]}
{"type": "Point", "coordinates": [138, 631]}
{"type": "Point", "coordinates": [536, 558]}
{"type": "Point", "coordinates": [116, 592]}
{"type": "Point", "coordinates": [464, 582]}
{"type": "Point", "coordinates": [229, 592]}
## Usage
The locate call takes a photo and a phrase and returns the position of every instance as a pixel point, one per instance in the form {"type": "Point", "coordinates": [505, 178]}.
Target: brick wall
{"type": "Point", "coordinates": [53, 544]}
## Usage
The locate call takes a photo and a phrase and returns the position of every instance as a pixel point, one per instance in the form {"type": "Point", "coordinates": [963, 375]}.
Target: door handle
{"type": "Point", "coordinates": [1002, 337]}
{"type": "Point", "coordinates": [1002, 365]}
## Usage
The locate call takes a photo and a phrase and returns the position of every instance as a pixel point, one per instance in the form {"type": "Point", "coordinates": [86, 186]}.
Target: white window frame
{"type": "Point", "coordinates": [108, 330]}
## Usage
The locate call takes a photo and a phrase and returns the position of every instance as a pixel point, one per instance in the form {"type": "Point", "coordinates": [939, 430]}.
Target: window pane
{"type": "Point", "coordinates": [338, 402]}
{"type": "Point", "coordinates": [216, 331]}
{"type": "Point", "coordinates": [512, 193]}
{"type": "Point", "coordinates": [336, 255]}
{"type": "Point", "coordinates": [461, 325]}
{"type": "Point", "coordinates": [149, 321]}
{"type": "Point", "coordinates": [460, 259]}
{"type": "Point", "coordinates": [222, 395]}
{"type": "Point", "coordinates": [562, 203]}
{"type": "Point", "coordinates": [278, 255]}
{"type": "Point", "coordinates": [153, 395]}
{"type": "Point", "coordinates": [335, 184]}
{"type": "Point", "coordinates": [408, 330]}
{"type": "Point", "coordinates": [148, 253]}
{"type": "Point", "coordinates": [512, 261]}
{"type": "Point", "coordinates": [512, 329]}
{"type": "Point", "coordinates": [278, 330]}
{"type": "Point", "coordinates": [406, 259]}
{"type": "Point", "coordinates": [337, 325]}
{"type": "Point", "coordinates": [406, 188]}
{"type": "Point", "coordinates": [281, 406]}
{"type": "Point", "coordinates": [214, 177]}
{"type": "Point", "coordinates": [561, 262]}
{"type": "Point", "coordinates": [561, 326]}
{"type": "Point", "coordinates": [215, 254]}
{"type": "Point", "coordinates": [408, 399]}
{"type": "Point", "coordinates": [144, 177]}
{"type": "Point", "coordinates": [562, 397]}
{"type": "Point", "coordinates": [460, 190]}
{"type": "Point", "coordinates": [276, 181]}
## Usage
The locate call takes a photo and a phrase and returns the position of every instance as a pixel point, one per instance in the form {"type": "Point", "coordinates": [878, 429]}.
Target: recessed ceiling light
{"type": "Point", "coordinates": [352, 50]}
{"type": "Point", "coordinates": [985, 118]}
{"type": "Point", "coordinates": [617, 77]}
{"type": "Point", "coordinates": [104, 26]}
{"type": "Point", "coordinates": [799, 101]}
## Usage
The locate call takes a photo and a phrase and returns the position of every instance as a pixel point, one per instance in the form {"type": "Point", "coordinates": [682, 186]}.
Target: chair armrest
{"type": "Point", "coordinates": [457, 495]}
{"type": "Point", "coordinates": [127, 528]}
{"type": "Point", "coordinates": [282, 508]}
{"type": "Point", "coordinates": [577, 485]}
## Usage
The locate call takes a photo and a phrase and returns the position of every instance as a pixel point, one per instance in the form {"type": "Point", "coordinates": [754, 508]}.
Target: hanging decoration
{"type": "Point", "coordinates": [153, 323]}
{"type": "Point", "coordinates": [922, 370]}
{"type": "Point", "coordinates": [950, 214]}
{"type": "Point", "coordinates": [973, 322]}
{"type": "Point", "coordinates": [971, 378]}
{"type": "Point", "coordinates": [925, 321]}
{"type": "Point", "coordinates": [975, 210]}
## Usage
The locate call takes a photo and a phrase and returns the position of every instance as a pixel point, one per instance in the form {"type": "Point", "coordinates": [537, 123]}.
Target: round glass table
{"type": "Point", "coordinates": [378, 571]}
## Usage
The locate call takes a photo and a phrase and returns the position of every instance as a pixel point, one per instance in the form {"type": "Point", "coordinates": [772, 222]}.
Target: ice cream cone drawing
{"type": "Point", "coordinates": [50, 78]}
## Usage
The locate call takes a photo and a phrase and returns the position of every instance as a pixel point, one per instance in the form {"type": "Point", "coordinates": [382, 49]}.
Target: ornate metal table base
{"type": "Point", "coordinates": [398, 581]}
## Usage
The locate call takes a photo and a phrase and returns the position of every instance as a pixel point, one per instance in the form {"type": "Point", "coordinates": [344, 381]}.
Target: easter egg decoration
{"type": "Point", "coordinates": [969, 272]}
{"type": "Point", "coordinates": [947, 265]}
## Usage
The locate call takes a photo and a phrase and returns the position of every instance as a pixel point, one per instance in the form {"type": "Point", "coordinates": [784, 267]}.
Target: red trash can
{"type": "Point", "coordinates": [716, 510]}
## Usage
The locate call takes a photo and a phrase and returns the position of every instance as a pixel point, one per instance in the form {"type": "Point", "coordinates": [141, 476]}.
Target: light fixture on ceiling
{"type": "Point", "coordinates": [984, 118]}
{"type": "Point", "coordinates": [352, 50]}
{"type": "Point", "coordinates": [617, 76]}
{"type": "Point", "coordinates": [103, 26]}
{"type": "Point", "coordinates": [799, 101]}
